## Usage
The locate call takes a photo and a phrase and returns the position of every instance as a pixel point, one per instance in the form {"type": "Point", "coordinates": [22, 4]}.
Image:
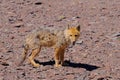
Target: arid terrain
{"type": "Point", "coordinates": [96, 55]}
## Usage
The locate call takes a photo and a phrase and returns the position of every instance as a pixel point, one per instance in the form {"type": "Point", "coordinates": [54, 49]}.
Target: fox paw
{"type": "Point", "coordinates": [36, 65]}
{"type": "Point", "coordinates": [57, 65]}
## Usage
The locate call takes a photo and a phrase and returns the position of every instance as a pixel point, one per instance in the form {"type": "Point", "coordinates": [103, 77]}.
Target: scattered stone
{"type": "Point", "coordinates": [4, 63]}
{"type": "Point", "coordinates": [23, 74]}
{"type": "Point", "coordinates": [12, 37]}
{"type": "Point", "coordinates": [9, 51]}
{"type": "Point", "coordinates": [12, 19]}
{"type": "Point", "coordinates": [50, 25]}
{"type": "Point", "coordinates": [76, 17]}
{"type": "Point", "coordinates": [105, 78]}
{"type": "Point", "coordinates": [38, 3]}
{"type": "Point", "coordinates": [60, 18]}
{"type": "Point", "coordinates": [18, 25]}
{"type": "Point", "coordinates": [19, 68]}
{"type": "Point", "coordinates": [117, 34]}
{"type": "Point", "coordinates": [100, 79]}
{"type": "Point", "coordinates": [79, 42]}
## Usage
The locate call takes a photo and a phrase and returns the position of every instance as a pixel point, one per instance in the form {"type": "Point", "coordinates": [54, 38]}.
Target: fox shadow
{"type": "Point", "coordinates": [71, 64]}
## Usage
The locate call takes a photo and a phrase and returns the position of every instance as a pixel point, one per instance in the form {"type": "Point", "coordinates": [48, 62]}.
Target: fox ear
{"type": "Point", "coordinates": [78, 27]}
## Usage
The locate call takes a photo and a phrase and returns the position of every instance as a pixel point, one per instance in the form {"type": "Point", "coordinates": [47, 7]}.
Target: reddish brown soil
{"type": "Point", "coordinates": [96, 56]}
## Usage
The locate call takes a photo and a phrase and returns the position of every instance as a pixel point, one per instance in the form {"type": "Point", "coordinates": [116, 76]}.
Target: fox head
{"type": "Point", "coordinates": [72, 34]}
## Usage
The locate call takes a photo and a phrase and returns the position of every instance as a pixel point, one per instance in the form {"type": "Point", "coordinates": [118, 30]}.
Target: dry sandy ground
{"type": "Point", "coordinates": [96, 55]}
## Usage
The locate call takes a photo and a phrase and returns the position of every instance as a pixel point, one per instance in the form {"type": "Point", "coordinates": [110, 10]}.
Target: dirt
{"type": "Point", "coordinates": [95, 56]}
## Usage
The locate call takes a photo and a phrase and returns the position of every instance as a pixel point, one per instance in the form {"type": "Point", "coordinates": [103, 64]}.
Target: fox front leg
{"type": "Point", "coordinates": [62, 57]}
{"type": "Point", "coordinates": [57, 57]}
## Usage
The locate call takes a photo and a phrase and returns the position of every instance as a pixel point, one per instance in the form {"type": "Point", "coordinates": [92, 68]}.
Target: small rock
{"type": "Point", "coordinates": [23, 74]}
{"type": "Point", "coordinates": [12, 37]}
{"type": "Point", "coordinates": [105, 78]}
{"type": "Point", "coordinates": [117, 34]}
{"type": "Point", "coordinates": [5, 64]}
{"type": "Point", "coordinates": [100, 79]}
{"type": "Point", "coordinates": [79, 42]}
{"type": "Point", "coordinates": [9, 51]}
{"type": "Point", "coordinates": [50, 25]}
{"type": "Point", "coordinates": [60, 18]}
{"type": "Point", "coordinates": [12, 19]}
{"type": "Point", "coordinates": [18, 25]}
{"type": "Point", "coordinates": [76, 17]}
{"type": "Point", "coordinates": [19, 69]}
{"type": "Point", "coordinates": [38, 3]}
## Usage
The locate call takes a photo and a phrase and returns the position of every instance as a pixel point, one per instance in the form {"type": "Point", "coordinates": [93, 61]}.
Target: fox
{"type": "Point", "coordinates": [59, 40]}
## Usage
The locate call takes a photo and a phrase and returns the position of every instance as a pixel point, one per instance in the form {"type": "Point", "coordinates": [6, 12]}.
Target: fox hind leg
{"type": "Point", "coordinates": [33, 55]}
{"type": "Point", "coordinates": [24, 54]}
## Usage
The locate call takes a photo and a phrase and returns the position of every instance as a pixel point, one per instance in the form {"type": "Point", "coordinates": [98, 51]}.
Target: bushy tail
{"type": "Point", "coordinates": [24, 54]}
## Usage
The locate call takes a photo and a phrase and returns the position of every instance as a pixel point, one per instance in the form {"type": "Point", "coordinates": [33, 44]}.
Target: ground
{"type": "Point", "coordinates": [95, 56]}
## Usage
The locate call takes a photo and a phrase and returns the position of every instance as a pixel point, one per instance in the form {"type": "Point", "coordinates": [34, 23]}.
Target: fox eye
{"type": "Point", "coordinates": [70, 35]}
{"type": "Point", "coordinates": [76, 35]}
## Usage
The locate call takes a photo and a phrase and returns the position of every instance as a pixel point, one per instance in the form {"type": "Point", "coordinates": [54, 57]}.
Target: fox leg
{"type": "Point", "coordinates": [57, 57]}
{"type": "Point", "coordinates": [62, 57]}
{"type": "Point", "coordinates": [24, 54]}
{"type": "Point", "coordinates": [32, 56]}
